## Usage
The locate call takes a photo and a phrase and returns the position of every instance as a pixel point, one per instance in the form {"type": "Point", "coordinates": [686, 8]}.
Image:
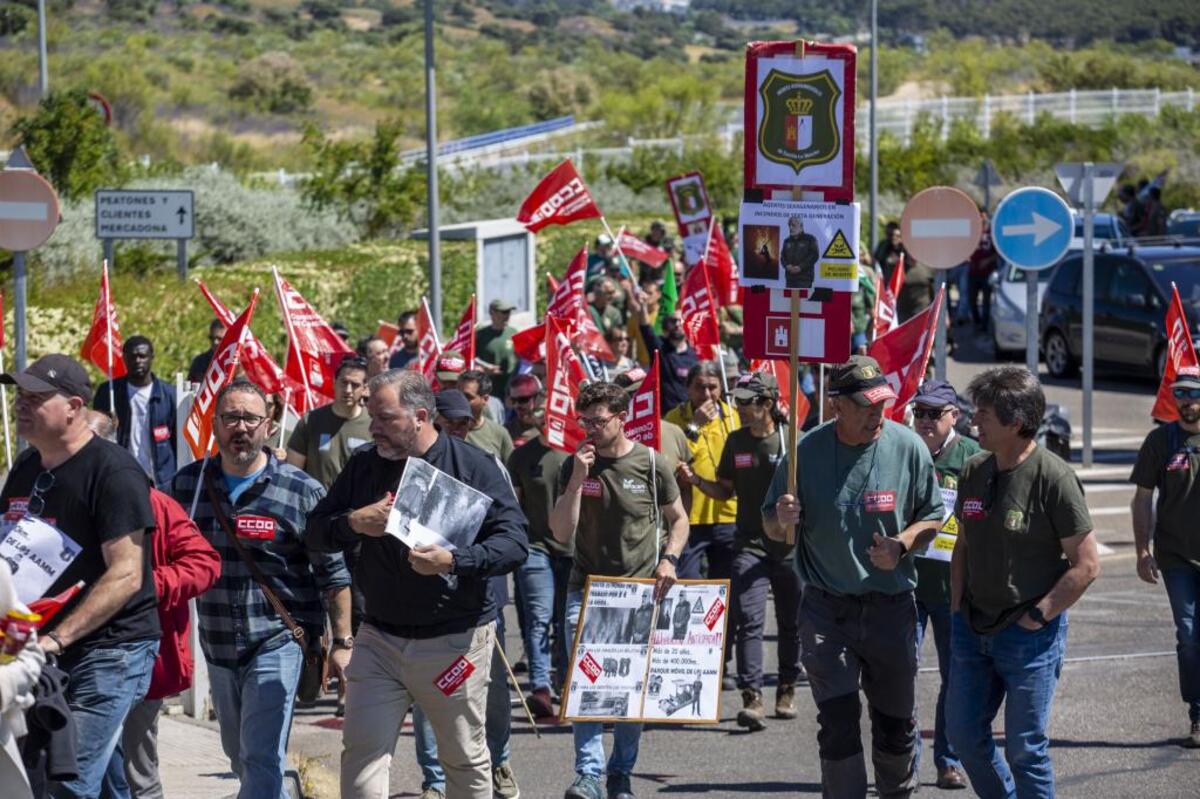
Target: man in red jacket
{"type": "Point", "coordinates": [184, 566]}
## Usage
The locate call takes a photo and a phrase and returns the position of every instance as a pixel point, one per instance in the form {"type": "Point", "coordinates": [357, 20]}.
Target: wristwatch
{"type": "Point", "coordinates": [1036, 614]}
{"type": "Point", "coordinates": [672, 559]}
{"type": "Point", "coordinates": [344, 643]}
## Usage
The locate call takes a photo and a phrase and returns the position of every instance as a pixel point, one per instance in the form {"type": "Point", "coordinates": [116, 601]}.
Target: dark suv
{"type": "Point", "coordinates": [1133, 290]}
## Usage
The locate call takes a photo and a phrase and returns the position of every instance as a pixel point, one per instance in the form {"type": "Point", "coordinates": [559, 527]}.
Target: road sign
{"type": "Point", "coordinates": [1032, 228]}
{"type": "Point", "coordinates": [987, 176]}
{"type": "Point", "coordinates": [1070, 177]}
{"type": "Point", "coordinates": [144, 214]}
{"type": "Point", "coordinates": [28, 210]}
{"type": "Point", "coordinates": [824, 326]}
{"type": "Point", "coordinates": [941, 227]}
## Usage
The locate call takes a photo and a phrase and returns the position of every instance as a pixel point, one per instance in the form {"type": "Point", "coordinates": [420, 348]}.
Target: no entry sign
{"type": "Point", "coordinates": [941, 227]}
{"type": "Point", "coordinates": [824, 326]}
{"type": "Point", "coordinates": [28, 210]}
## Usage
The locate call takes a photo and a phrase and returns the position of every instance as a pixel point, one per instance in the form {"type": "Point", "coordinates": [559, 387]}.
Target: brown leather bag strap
{"type": "Point", "coordinates": [260, 578]}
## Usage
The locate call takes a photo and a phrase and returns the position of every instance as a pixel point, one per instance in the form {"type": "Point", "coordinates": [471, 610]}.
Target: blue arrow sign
{"type": "Point", "coordinates": [1032, 228]}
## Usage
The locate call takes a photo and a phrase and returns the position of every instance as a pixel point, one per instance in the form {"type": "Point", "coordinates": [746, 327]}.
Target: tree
{"type": "Point", "coordinates": [70, 145]}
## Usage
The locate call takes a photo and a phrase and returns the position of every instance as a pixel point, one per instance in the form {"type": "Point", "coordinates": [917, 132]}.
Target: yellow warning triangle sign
{"type": "Point", "coordinates": [838, 248]}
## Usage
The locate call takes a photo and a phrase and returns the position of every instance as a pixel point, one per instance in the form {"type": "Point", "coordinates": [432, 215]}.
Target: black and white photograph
{"type": "Point", "coordinates": [432, 507]}
{"type": "Point", "coordinates": [626, 626]}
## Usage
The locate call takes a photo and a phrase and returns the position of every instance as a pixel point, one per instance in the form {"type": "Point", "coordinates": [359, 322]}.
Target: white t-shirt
{"type": "Point", "coordinates": [141, 444]}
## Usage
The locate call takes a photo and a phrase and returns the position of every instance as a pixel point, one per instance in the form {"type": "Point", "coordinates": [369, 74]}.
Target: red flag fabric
{"type": "Point", "coordinates": [564, 375]}
{"type": "Point", "coordinates": [390, 334]}
{"type": "Point", "coordinates": [903, 354]}
{"type": "Point", "coordinates": [197, 430]}
{"type": "Point", "coordinates": [463, 340]}
{"type": "Point", "coordinates": [428, 346]}
{"type": "Point", "coordinates": [567, 303]}
{"type": "Point", "coordinates": [644, 423]}
{"type": "Point", "coordinates": [782, 373]}
{"type": "Point", "coordinates": [314, 350]}
{"type": "Point", "coordinates": [1181, 358]}
{"type": "Point", "coordinates": [698, 314]}
{"type": "Point", "coordinates": [559, 199]}
{"type": "Point", "coordinates": [722, 269]}
{"type": "Point", "coordinates": [897, 281]}
{"type": "Point", "coordinates": [104, 333]}
{"type": "Point", "coordinates": [885, 308]}
{"type": "Point", "coordinates": [633, 247]}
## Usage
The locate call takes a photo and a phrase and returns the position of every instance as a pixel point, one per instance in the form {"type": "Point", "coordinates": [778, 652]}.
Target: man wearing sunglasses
{"type": "Point", "coordinates": [410, 345]}
{"type": "Point", "coordinates": [527, 403]}
{"type": "Point", "coordinates": [95, 493]}
{"type": "Point", "coordinates": [1169, 460]}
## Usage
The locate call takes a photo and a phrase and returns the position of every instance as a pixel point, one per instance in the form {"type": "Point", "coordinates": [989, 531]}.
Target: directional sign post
{"type": "Point", "coordinates": [146, 214]}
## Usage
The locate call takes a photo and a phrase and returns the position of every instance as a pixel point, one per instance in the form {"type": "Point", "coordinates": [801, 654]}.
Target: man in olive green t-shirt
{"type": "Point", "coordinates": [1025, 553]}
{"type": "Point", "coordinates": [1169, 460]}
{"type": "Point", "coordinates": [484, 433]}
{"type": "Point", "coordinates": [324, 439]}
{"type": "Point", "coordinates": [494, 346]}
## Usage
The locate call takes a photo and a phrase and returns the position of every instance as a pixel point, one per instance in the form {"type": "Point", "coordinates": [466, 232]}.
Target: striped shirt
{"type": "Point", "coordinates": [235, 616]}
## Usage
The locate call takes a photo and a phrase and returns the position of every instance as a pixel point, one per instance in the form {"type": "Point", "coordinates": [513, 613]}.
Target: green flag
{"type": "Point", "coordinates": [670, 296]}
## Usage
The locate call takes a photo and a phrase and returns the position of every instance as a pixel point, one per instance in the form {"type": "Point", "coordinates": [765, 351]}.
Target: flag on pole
{"type": "Point", "coordinates": [635, 248]}
{"type": "Point", "coordinates": [567, 303]}
{"type": "Point", "coordinates": [429, 347]}
{"type": "Point", "coordinates": [102, 347]}
{"type": "Point", "coordinates": [564, 375]}
{"type": "Point", "coordinates": [722, 269]}
{"type": "Point", "coordinates": [670, 298]}
{"type": "Point", "coordinates": [314, 350]}
{"type": "Point", "coordinates": [389, 333]}
{"type": "Point", "coordinates": [559, 199]}
{"type": "Point", "coordinates": [463, 340]}
{"type": "Point", "coordinates": [198, 428]}
{"type": "Point", "coordinates": [698, 314]}
{"type": "Point", "coordinates": [644, 423]}
{"type": "Point", "coordinates": [1181, 358]}
{"type": "Point", "coordinates": [903, 354]}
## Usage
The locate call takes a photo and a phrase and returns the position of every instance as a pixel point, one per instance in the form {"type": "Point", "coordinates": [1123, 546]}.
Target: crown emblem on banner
{"type": "Point", "coordinates": [799, 105]}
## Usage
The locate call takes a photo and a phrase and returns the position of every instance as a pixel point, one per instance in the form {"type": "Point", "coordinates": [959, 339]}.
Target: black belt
{"type": "Point", "coordinates": [866, 598]}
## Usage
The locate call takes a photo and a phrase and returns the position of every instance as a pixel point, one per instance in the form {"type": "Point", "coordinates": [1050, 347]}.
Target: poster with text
{"type": "Point", "coordinates": [799, 245]}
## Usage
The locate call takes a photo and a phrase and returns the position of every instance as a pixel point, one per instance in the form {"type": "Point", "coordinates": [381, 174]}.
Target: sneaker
{"type": "Point", "coordinates": [504, 784]}
{"type": "Point", "coordinates": [541, 704]}
{"type": "Point", "coordinates": [802, 677]}
{"type": "Point", "coordinates": [618, 787]}
{"type": "Point", "coordinates": [951, 779]}
{"type": "Point", "coordinates": [785, 700]}
{"type": "Point", "coordinates": [584, 787]}
{"type": "Point", "coordinates": [1193, 739]}
{"type": "Point", "coordinates": [432, 793]}
{"type": "Point", "coordinates": [752, 715]}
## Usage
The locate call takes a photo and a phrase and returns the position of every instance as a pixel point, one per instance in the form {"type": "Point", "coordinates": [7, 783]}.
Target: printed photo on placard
{"type": "Point", "coordinates": [689, 198]}
{"type": "Point", "coordinates": [799, 245]}
{"type": "Point", "coordinates": [431, 507]}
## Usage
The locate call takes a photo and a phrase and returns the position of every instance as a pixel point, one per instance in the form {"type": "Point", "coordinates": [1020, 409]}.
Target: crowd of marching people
{"type": "Point", "coordinates": [907, 517]}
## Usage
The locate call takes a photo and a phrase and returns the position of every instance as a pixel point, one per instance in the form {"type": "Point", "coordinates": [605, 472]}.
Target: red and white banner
{"type": "Point", "coordinates": [568, 304]}
{"type": "Point", "coordinates": [560, 199]}
{"type": "Point", "coordinates": [197, 429]}
{"type": "Point", "coordinates": [463, 340]}
{"type": "Point", "coordinates": [1181, 359]}
{"type": "Point", "coordinates": [428, 345]}
{"type": "Point", "coordinates": [633, 247]}
{"type": "Point", "coordinates": [782, 374]}
{"type": "Point", "coordinates": [314, 350]}
{"type": "Point", "coordinates": [722, 269]}
{"type": "Point", "coordinates": [698, 314]}
{"type": "Point", "coordinates": [102, 346]}
{"type": "Point", "coordinates": [390, 335]}
{"type": "Point", "coordinates": [824, 326]}
{"type": "Point", "coordinates": [644, 423]}
{"type": "Point", "coordinates": [564, 375]}
{"type": "Point", "coordinates": [903, 354]}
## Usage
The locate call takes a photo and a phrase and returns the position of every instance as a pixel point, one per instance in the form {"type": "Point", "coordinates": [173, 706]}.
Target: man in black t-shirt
{"type": "Point", "coordinates": [95, 494]}
{"type": "Point", "coordinates": [216, 332]}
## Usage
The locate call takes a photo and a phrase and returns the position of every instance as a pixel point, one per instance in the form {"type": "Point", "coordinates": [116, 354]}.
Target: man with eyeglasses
{"type": "Point", "coordinates": [410, 345]}
{"type": "Point", "coordinates": [1025, 553]}
{"type": "Point", "coordinates": [866, 497]}
{"type": "Point", "coordinates": [199, 365]}
{"type": "Point", "coordinates": [145, 411]}
{"type": "Point", "coordinates": [527, 406]}
{"type": "Point", "coordinates": [1168, 461]}
{"type": "Point", "coordinates": [935, 413]}
{"type": "Point", "coordinates": [494, 352]}
{"type": "Point", "coordinates": [96, 494]}
{"type": "Point", "coordinates": [611, 496]}
{"type": "Point", "coordinates": [252, 507]}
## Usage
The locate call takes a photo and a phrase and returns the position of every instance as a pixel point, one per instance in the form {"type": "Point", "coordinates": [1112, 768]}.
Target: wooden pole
{"type": "Point", "coordinates": [794, 366]}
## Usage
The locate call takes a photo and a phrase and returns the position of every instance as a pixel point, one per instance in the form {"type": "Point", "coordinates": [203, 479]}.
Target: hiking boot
{"type": "Point", "coordinates": [785, 700]}
{"type": "Point", "coordinates": [951, 779]}
{"type": "Point", "coordinates": [541, 704]}
{"type": "Point", "coordinates": [504, 784]}
{"type": "Point", "coordinates": [432, 793]}
{"type": "Point", "coordinates": [728, 683]}
{"type": "Point", "coordinates": [618, 787]}
{"type": "Point", "coordinates": [584, 787]}
{"type": "Point", "coordinates": [1193, 739]}
{"type": "Point", "coordinates": [753, 714]}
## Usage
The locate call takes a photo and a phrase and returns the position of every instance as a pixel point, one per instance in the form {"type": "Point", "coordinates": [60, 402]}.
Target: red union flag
{"type": "Point", "coordinates": [1181, 359]}
{"type": "Point", "coordinates": [389, 333]}
{"type": "Point", "coordinates": [560, 199]}
{"type": "Point", "coordinates": [903, 354]}
{"type": "Point", "coordinates": [644, 423]}
{"type": "Point", "coordinates": [633, 247]}
{"type": "Point", "coordinates": [463, 340]}
{"type": "Point", "coordinates": [568, 306]}
{"type": "Point", "coordinates": [102, 346]}
{"type": "Point", "coordinates": [314, 350]}
{"type": "Point", "coordinates": [197, 430]}
{"type": "Point", "coordinates": [885, 308]}
{"type": "Point", "coordinates": [722, 269]}
{"type": "Point", "coordinates": [698, 313]}
{"type": "Point", "coordinates": [564, 375]}
{"type": "Point", "coordinates": [428, 346]}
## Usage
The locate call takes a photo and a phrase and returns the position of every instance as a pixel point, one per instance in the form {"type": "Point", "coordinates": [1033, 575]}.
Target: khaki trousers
{"type": "Point", "coordinates": [386, 675]}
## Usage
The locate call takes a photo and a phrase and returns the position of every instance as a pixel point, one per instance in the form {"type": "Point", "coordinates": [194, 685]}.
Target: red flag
{"type": "Point", "coordinates": [428, 345]}
{"type": "Point", "coordinates": [560, 199]}
{"type": "Point", "coordinates": [698, 314]}
{"type": "Point", "coordinates": [897, 281]}
{"type": "Point", "coordinates": [903, 354]}
{"type": "Point", "coordinates": [390, 334]}
{"type": "Point", "coordinates": [314, 350]}
{"type": "Point", "coordinates": [644, 423]}
{"type": "Point", "coordinates": [722, 269]}
{"type": "Point", "coordinates": [567, 303]}
{"type": "Point", "coordinates": [463, 340]}
{"type": "Point", "coordinates": [634, 247]}
{"type": "Point", "coordinates": [564, 375]}
{"type": "Point", "coordinates": [102, 346]}
{"type": "Point", "coordinates": [1181, 359]}
{"type": "Point", "coordinates": [885, 307]}
{"type": "Point", "coordinates": [782, 373]}
{"type": "Point", "coordinates": [197, 430]}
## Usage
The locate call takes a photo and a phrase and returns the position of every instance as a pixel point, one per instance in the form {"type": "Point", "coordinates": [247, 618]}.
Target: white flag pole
{"type": "Point", "coordinates": [287, 397]}
{"type": "Point", "coordinates": [4, 403]}
{"type": "Point", "coordinates": [108, 326]}
{"type": "Point", "coordinates": [292, 343]}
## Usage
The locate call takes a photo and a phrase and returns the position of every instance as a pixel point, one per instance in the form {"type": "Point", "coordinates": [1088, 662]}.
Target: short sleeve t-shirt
{"type": "Point", "coordinates": [492, 438]}
{"type": "Point", "coordinates": [1013, 523]}
{"type": "Point", "coordinates": [140, 444]}
{"type": "Point", "coordinates": [933, 576]}
{"type": "Point", "coordinates": [673, 443]}
{"type": "Point", "coordinates": [496, 347]}
{"type": "Point", "coordinates": [326, 441]}
{"type": "Point", "coordinates": [1168, 460]}
{"type": "Point", "coordinates": [749, 462]}
{"type": "Point", "coordinates": [616, 535]}
{"type": "Point", "coordinates": [99, 494]}
{"type": "Point", "coordinates": [533, 468]}
{"type": "Point", "coordinates": [850, 493]}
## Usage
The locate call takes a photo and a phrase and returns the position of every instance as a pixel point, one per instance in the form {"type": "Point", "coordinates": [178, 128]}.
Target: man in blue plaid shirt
{"type": "Point", "coordinates": [254, 661]}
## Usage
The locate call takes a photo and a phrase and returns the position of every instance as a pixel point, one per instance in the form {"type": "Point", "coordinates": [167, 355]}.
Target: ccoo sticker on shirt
{"type": "Point", "coordinates": [255, 528]}
{"type": "Point", "coordinates": [879, 501]}
{"type": "Point", "coordinates": [973, 509]}
{"type": "Point", "coordinates": [161, 433]}
{"type": "Point", "coordinates": [593, 487]}
{"type": "Point", "coordinates": [17, 508]}
{"type": "Point", "coordinates": [455, 675]}
{"type": "Point", "coordinates": [1179, 462]}
{"type": "Point", "coordinates": [743, 460]}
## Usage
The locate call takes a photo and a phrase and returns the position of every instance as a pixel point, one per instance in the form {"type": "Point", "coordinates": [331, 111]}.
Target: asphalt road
{"type": "Point", "coordinates": [1117, 718]}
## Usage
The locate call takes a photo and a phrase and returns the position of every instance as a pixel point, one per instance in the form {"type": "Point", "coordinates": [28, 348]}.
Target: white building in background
{"type": "Point", "coordinates": [668, 6]}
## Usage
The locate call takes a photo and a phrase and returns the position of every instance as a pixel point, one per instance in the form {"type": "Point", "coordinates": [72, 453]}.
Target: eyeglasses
{"type": "Point", "coordinates": [933, 414]}
{"type": "Point", "coordinates": [595, 424]}
{"type": "Point", "coordinates": [409, 331]}
{"type": "Point", "coordinates": [233, 420]}
{"type": "Point", "coordinates": [523, 400]}
{"type": "Point", "coordinates": [751, 401]}
{"type": "Point", "coordinates": [43, 483]}
{"type": "Point", "coordinates": [1186, 393]}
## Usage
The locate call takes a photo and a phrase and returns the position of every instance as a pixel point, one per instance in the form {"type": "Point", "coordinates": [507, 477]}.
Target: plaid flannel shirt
{"type": "Point", "coordinates": [235, 616]}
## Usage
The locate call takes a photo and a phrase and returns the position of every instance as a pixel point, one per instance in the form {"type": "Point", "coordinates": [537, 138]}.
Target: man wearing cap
{"type": "Point", "coordinates": [748, 462]}
{"type": "Point", "coordinates": [454, 415]}
{"type": "Point", "coordinates": [484, 433]}
{"type": "Point", "coordinates": [866, 497]}
{"type": "Point", "coordinates": [97, 496]}
{"type": "Point", "coordinates": [145, 411]}
{"type": "Point", "coordinates": [935, 412]}
{"type": "Point", "coordinates": [450, 364]}
{"type": "Point", "coordinates": [600, 256]}
{"type": "Point", "coordinates": [1169, 460]}
{"type": "Point", "coordinates": [494, 351]}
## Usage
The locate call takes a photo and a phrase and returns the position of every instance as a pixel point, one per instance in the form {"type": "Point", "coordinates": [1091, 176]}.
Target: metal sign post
{"type": "Point", "coordinates": [1089, 311]}
{"type": "Point", "coordinates": [146, 214]}
{"type": "Point", "coordinates": [939, 337]}
{"type": "Point", "coordinates": [1032, 334]}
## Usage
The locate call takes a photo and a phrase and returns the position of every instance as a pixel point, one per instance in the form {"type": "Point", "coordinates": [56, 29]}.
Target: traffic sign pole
{"type": "Point", "coordinates": [19, 289]}
{"type": "Point", "coordinates": [939, 339]}
{"type": "Point", "coordinates": [1089, 311]}
{"type": "Point", "coordinates": [1032, 335]}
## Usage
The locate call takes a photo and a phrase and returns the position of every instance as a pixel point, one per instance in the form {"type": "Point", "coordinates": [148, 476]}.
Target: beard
{"type": "Point", "coordinates": [676, 335]}
{"type": "Point", "coordinates": [242, 450]}
{"type": "Point", "coordinates": [1190, 413]}
{"type": "Point", "coordinates": [397, 447]}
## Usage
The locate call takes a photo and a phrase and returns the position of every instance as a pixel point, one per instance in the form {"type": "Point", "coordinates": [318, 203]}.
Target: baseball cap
{"type": "Point", "coordinates": [1187, 378]}
{"type": "Point", "coordinates": [754, 385]}
{"type": "Point", "coordinates": [936, 393]}
{"type": "Point", "coordinates": [604, 240]}
{"type": "Point", "coordinates": [450, 365]}
{"type": "Point", "coordinates": [631, 379]}
{"type": "Point", "coordinates": [452, 404]}
{"type": "Point", "coordinates": [861, 379]}
{"type": "Point", "coordinates": [55, 372]}
{"type": "Point", "coordinates": [501, 305]}
{"type": "Point", "coordinates": [524, 382]}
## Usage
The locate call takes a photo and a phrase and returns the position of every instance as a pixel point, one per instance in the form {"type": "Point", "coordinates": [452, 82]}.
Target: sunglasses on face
{"type": "Point", "coordinates": [751, 401]}
{"type": "Point", "coordinates": [932, 414]}
{"type": "Point", "coordinates": [1186, 393]}
{"type": "Point", "coordinates": [523, 400]}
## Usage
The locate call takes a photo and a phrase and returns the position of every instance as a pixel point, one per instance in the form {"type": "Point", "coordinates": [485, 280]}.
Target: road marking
{"type": "Point", "coordinates": [1103, 471]}
{"type": "Point", "coordinates": [1114, 441]}
{"type": "Point", "coordinates": [1104, 549]}
{"type": "Point", "coordinates": [1107, 488]}
{"type": "Point", "coordinates": [945, 227]}
{"type": "Point", "coordinates": [23, 212]}
{"type": "Point", "coordinates": [1108, 511]}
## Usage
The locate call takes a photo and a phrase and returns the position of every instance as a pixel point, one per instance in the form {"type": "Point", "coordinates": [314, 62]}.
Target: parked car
{"type": "Point", "coordinates": [1184, 223]}
{"type": "Point", "coordinates": [1106, 229]}
{"type": "Point", "coordinates": [1132, 292]}
{"type": "Point", "coordinates": [1008, 308]}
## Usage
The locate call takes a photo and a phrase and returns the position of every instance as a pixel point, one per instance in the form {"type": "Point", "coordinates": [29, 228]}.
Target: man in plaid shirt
{"type": "Point", "coordinates": [254, 661]}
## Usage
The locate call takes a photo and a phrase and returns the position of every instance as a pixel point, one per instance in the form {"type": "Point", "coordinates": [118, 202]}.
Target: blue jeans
{"type": "Point", "coordinates": [105, 683]}
{"type": "Point", "coordinates": [541, 592]}
{"type": "Point", "coordinates": [939, 617]}
{"type": "Point", "coordinates": [1020, 668]}
{"type": "Point", "coordinates": [1183, 590]}
{"type": "Point", "coordinates": [589, 735]}
{"type": "Point", "coordinates": [254, 710]}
